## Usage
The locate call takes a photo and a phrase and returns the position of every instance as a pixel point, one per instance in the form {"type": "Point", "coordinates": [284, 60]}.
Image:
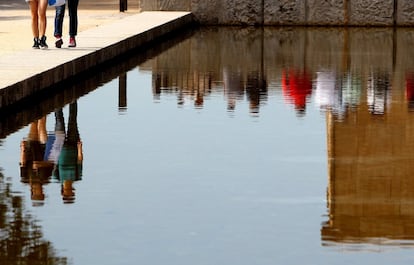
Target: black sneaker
{"type": "Point", "coordinates": [42, 42]}
{"type": "Point", "coordinates": [58, 43]}
{"type": "Point", "coordinates": [36, 44]}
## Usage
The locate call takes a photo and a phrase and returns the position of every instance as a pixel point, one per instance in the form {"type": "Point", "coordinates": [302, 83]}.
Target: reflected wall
{"type": "Point", "coordinates": [346, 55]}
{"type": "Point", "coordinates": [362, 79]}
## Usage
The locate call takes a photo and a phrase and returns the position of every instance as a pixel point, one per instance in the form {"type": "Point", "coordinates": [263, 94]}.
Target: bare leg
{"type": "Point", "coordinates": [41, 128]}
{"type": "Point", "coordinates": [33, 132]}
{"type": "Point", "coordinates": [42, 16]}
{"type": "Point", "coordinates": [35, 18]}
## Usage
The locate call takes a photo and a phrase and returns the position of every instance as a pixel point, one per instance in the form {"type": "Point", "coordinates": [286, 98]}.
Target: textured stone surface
{"type": "Point", "coordinates": [405, 13]}
{"type": "Point", "coordinates": [165, 5]}
{"type": "Point", "coordinates": [244, 12]}
{"type": "Point", "coordinates": [373, 12]}
{"type": "Point", "coordinates": [326, 12]}
{"type": "Point", "coordinates": [280, 12]}
{"type": "Point", "coordinates": [292, 12]}
{"type": "Point", "coordinates": [229, 12]}
{"type": "Point", "coordinates": [206, 12]}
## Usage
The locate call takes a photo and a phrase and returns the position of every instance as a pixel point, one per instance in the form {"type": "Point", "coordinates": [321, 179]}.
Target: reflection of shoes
{"type": "Point", "coordinates": [35, 43]}
{"type": "Point", "coordinates": [42, 42]}
{"type": "Point", "coordinates": [58, 42]}
{"type": "Point", "coordinates": [72, 42]}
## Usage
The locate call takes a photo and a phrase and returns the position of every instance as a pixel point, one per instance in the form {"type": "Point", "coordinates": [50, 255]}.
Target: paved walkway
{"type": "Point", "coordinates": [15, 30]}
{"type": "Point", "coordinates": [103, 34]}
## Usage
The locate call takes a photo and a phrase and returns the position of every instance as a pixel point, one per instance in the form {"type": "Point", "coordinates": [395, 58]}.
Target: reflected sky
{"type": "Point", "coordinates": [298, 151]}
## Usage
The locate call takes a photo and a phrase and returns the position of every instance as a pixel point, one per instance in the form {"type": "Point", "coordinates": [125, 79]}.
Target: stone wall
{"type": "Point", "coordinates": [292, 12]}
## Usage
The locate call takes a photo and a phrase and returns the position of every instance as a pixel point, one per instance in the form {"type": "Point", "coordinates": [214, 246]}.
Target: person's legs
{"type": "Point", "coordinates": [42, 16]}
{"type": "Point", "coordinates": [42, 22]}
{"type": "Point", "coordinates": [73, 21]}
{"type": "Point", "coordinates": [35, 22]}
{"type": "Point", "coordinates": [59, 16]}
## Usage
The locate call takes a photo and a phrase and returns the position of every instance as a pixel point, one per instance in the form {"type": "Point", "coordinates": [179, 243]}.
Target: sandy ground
{"type": "Point", "coordinates": [15, 21]}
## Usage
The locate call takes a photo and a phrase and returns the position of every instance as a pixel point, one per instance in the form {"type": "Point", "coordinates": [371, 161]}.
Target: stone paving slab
{"type": "Point", "coordinates": [25, 72]}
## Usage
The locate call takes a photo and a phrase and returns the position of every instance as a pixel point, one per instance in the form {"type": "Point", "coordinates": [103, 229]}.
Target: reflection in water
{"type": "Point", "coordinates": [338, 67]}
{"type": "Point", "coordinates": [368, 110]}
{"type": "Point", "coordinates": [409, 90]}
{"type": "Point", "coordinates": [33, 168]}
{"type": "Point", "coordinates": [56, 155]}
{"type": "Point", "coordinates": [21, 238]}
{"type": "Point", "coordinates": [365, 92]}
{"type": "Point", "coordinates": [233, 87]}
{"type": "Point", "coordinates": [379, 92]}
{"type": "Point", "coordinates": [371, 172]}
{"type": "Point", "coordinates": [297, 88]}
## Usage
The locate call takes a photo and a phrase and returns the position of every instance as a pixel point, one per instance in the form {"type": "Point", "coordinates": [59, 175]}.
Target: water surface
{"type": "Point", "coordinates": [227, 146]}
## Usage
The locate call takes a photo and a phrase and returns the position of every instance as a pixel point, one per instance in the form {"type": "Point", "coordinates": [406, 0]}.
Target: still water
{"type": "Point", "coordinates": [222, 146]}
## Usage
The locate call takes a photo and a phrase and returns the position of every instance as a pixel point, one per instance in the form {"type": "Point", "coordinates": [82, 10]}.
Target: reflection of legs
{"type": "Point", "coordinates": [33, 132]}
{"type": "Point", "coordinates": [37, 131]}
{"type": "Point", "coordinates": [36, 189]}
{"type": "Point", "coordinates": [23, 153]}
{"type": "Point", "coordinates": [73, 133]}
{"type": "Point", "coordinates": [41, 127]}
{"type": "Point", "coordinates": [59, 121]}
{"type": "Point", "coordinates": [56, 139]}
{"type": "Point", "coordinates": [30, 149]}
{"type": "Point", "coordinates": [67, 191]}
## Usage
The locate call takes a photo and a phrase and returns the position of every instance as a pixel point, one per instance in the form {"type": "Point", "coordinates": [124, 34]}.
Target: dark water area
{"type": "Point", "coordinates": [222, 146]}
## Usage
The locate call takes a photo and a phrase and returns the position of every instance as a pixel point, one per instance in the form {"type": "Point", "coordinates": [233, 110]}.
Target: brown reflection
{"type": "Point", "coordinates": [250, 63]}
{"type": "Point", "coordinates": [21, 237]}
{"type": "Point", "coordinates": [211, 62]}
{"type": "Point", "coordinates": [371, 167]}
{"type": "Point", "coordinates": [56, 155]}
{"type": "Point", "coordinates": [34, 169]}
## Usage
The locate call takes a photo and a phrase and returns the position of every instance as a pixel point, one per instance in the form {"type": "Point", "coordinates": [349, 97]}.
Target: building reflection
{"type": "Point", "coordinates": [360, 87]}
{"type": "Point", "coordinates": [371, 168]}
{"type": "Point", "coordinates": [21, 237]}
{"type": "Point", "coordinates": [56, 155]}
{"type": "Point", "coordinates": [191, 70]}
